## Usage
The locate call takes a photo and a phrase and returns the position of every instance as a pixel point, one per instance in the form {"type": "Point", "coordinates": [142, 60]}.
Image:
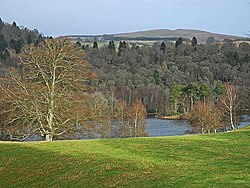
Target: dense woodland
{"type": "Point", "coordinates": [167, 78]}
{"type": "Point", "coordinates": [152, 74]}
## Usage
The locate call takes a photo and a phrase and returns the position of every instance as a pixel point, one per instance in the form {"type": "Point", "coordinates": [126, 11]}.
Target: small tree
{"type": "Point", "coordinates": [111, 46]}
{"type": "Point", "coordinates": [95, 45]}
{"type": "Point", "coordinates": [122, 118]}
{"type": "Point", "coordinates": [163, 46]}
{"type": "Point", "coordinates": [194, 41]}
{"type": "Point", "coordinates": [178, 42]}
{"type": "Point", "coordinates": [205, 117]}
{"type": "Point", "coordinates": [137, 114]}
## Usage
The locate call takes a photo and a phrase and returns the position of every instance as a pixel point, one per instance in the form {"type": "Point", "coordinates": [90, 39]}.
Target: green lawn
{"type": "Point", "coordinates": [215, 160]}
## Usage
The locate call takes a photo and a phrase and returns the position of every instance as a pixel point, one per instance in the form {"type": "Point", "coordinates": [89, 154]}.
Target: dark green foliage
{"type": "Point", "coordinates": [148, 74]}
{"type": "Point", "coordinates": [163, 46]}
{"type": "Point", "coordinates": [204, 92]}
{"type": "Point", "coordinates": [194, 41]}
{"type": "Point", "coordinates": [3, 43]}
{"type": "Point", "coordinates": [4, 54]}
{"type": "Point", "coordinates": [178, 42]}
{"type": "Point", "coordinates": [95, 45]}
{"type": "Point", "coordinates": [78, 44]}
{"type": "Point", "coordinates": [219, 89]}
{"type": "Point", "coordinates": [18, 46]}
{"type": "Point", "coordinates": [29, 39]}
{"type": "Point", "coordinates": [122, 47]}
{"type": "Point", "coordinates": [111, 45]}
{"type": "Point", "coordinates": [14, 24]}
{"type": "Point", "coordinates": [1, 24]}
{"type": "Point", "coordinates": [157, 77]}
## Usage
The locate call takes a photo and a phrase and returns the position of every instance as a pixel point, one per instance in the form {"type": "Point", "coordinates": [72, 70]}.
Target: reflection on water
{"type": "Point", "coordinates": [162, 127]}
{"type": "Point", "coordinates": [245, 120]}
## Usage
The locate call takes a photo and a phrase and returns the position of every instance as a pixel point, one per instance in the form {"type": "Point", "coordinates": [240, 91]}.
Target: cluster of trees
{"type": "Point", "coordinates": [52, 94]}
{"type": "Point", "coordinates": [55, 93]}
{"type": "Point", "coordinates": [148, 73]}
{"type": "Point", "coordinates": [216, 114]}
{"type": "Point", "coordinates": [12, 39]}
{"type": "Point", "coordinates": [183, 98]}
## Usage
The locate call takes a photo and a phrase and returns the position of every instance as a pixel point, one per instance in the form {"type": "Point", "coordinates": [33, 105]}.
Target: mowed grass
{"type": "Point", "coordinates": [215, 160]}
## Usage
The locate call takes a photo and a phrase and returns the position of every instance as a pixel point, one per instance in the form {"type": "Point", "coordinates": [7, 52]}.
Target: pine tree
{"type": "Point", "coordinates": [163, 46]}
{"type": "Point", "coordinates": [29, 39]}
{"type": "Point", "coordinates": [178, 42]}
{"type": "Point", "coordinates": [95, 45]}
{"type": "Point", "coordinates": [194, 41]}
{"type": "Point", "coordinates": [111, 45]}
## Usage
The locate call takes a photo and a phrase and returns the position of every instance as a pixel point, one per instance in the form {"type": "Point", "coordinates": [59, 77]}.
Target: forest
{"type": "Point", "coordinates": [125, 82]}
{"type": "Point", "coordinates": [152, 74]}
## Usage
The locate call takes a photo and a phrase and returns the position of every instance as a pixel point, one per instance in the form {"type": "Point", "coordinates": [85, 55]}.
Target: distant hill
{"type": "Point", "coordinates": [202, 36]}
{"type": "Point", "coordinates": [157, 35]}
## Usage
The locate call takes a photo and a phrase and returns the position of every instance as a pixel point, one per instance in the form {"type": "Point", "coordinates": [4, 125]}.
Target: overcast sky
{"type": "Point", "coordinates": [62, 17]}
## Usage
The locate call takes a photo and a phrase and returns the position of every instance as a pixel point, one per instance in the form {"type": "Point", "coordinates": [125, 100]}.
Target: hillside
{"type": "Point", "coordinates": [158, 34]}
{"type": "Point", "coordinates": [215, 160]}
{"type": "Point", "coordinates": [184, 33]}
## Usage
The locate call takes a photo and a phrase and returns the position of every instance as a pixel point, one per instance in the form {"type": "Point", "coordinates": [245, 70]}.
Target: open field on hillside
{"type": "Point", "coordinates": [215, 160]}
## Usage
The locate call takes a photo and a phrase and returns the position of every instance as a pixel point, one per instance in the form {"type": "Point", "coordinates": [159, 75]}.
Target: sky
{"type": "Point", "coordinates": [65, 17]}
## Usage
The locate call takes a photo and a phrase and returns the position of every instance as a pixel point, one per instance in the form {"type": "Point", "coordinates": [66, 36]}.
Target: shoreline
{"type": "Point", "coordinates": [174, 117]}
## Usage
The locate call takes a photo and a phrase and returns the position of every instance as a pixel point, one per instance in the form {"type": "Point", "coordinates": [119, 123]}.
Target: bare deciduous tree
{"type": "Point", "coordinates": [205, 117]}
{"type": "Point", "coordinates": [229, 104]}
{"type": "Point", "coordinates": [46, 96]}
{"type": "Point", "coordinates": [137, 114]}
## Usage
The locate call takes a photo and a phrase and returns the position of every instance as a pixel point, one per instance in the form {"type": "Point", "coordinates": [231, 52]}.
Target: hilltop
{"type": "Point", "coordinates": [158, 35]}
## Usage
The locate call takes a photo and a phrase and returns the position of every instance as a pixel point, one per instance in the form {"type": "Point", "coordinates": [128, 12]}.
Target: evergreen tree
{"type": "Point", "coordinates": [163, 46]}
{"type": "Point", "coordinates": [95, 45]}
{"type": "Point", "coordinates": [178, 42]}
{"type": "Point", "coordinates": [18, 46]}
{"type": "Point", "coordinates": [194, 41]}
{"type": "Point", "coordinates": [78, 44]}
{"type": "Point", "coordinates": [111, 45]}
{"type": "Point", "coordinates": [29, 39]}
{"type": "Point", "coordinates": [1, 24]}
{"type": "Point", "coordinates": [3, 48]}
{"type": "Point", "coordinates": [3, 43]}
{"type": "Point", "coordinates": [122, 47]}
{"type": "Point", "coordinates": [14, 24]}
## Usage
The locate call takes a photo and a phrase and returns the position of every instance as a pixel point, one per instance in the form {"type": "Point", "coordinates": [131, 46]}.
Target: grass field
{"type": "Point", "coordinates": [215, 160]}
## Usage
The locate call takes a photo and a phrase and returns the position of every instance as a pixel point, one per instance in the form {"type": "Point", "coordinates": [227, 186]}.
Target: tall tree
{"type": "Point", "coordinates": [175, 94]}
{"type": "Point", "coordinates": [46, 95]}
{"type": "Point", "coordinates": [137, 114]}
{"type": "Point", "coordinates": [229, 104]}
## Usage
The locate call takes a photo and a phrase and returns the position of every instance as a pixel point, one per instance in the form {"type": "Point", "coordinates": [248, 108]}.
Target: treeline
{"type": "Point", "coordinates": [53, 95]}
{"type": "Point", "coordinates": [130, 72]}
{"type": "Point", "coordinates": [12, 39]}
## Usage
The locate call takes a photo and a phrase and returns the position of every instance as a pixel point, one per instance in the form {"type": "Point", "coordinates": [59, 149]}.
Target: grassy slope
{"type": "Point", "coordinates": [216, 160]}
